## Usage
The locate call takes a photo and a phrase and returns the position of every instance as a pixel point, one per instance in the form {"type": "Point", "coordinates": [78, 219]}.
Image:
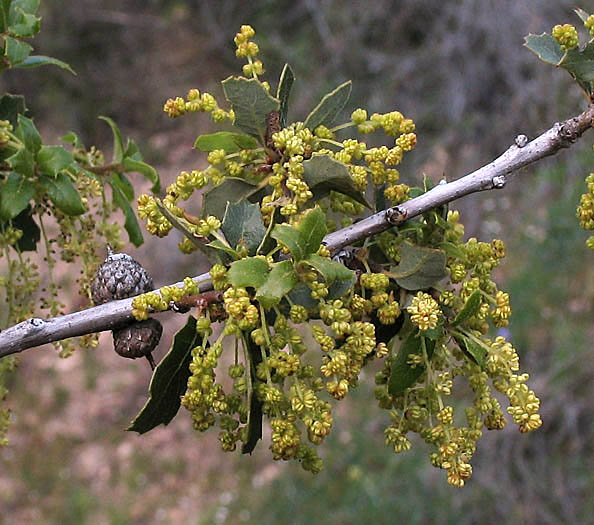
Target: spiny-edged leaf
{"type": "Point", "coordinates": [341, 286]}
{"type": "Point", "coordinates": [291, 238]}
{"type": "Point", "coordinates": [118, 144]}
{"type": "Point", "coordinates": [225, 140]}
{"type": "Point", "coordinates": [582, 14]}
{"type": "Point", "coordinates": [11, 106]}
{"type": "Point", "coordinates": [27, 6]}
{"type": "Point", "coordinates": [279, 282]}
{"type": "Point", "coordinates": [580, 63]}
{"type": "Point", "coordinates": [330, 270]}
{"type": "Point", "coordinates": [169, 381]}
{"type": "Point", "coordinates": [231, 190]}
{"type": "Point", "coordinates": [329, 107]}
{"type": "Point", "coordinates": [301, 295]}
{"type": "Point", "coordinates": [72, 139]}
{"type": "Point", "coordinates": [27, 132]}
{"type": "Point", "coordinates": [252, 271]}
{"type": "Point", "coordinates": [149, 173]}
{"type": "Point", "coordinates": [254, 422]}
{"type": "Point", "coordinates": [63, 194]}
{"type": "Point", "coordinates": [470, 308]}
{"type": "Point", "coordinates": [4, 10]}
{"type": "Point", "coordinates": [53, 159]}
{"type": "Point", "coordinates": [218, 245]}
{"type": "Point", "coordinates": [22, 21]}
{"type": "Point", "coordinates": [546, 47]}
{"type": "Point", "coordinates": [16, 50]}
{"type": "Point", "coordinates": [243, 223]}
{"type": "Point", "coordinates": [312, 228]}
{"type": "Point", "coordinates": [283, 91]}
{"type": "Point", "coordinates": [15, 194]}
{"type": "Point", "coordinates": [251, 103]}
{"type": "Point", "coordinates": [131, 222]}
{"type": "Point", "coordinates": [42, 60]}
{"type": "Point", "coordinates": [474, 350]}
{"type": "Point", "coordinates": [23, 162]}
{"type": "Point", "coordinates": [31, 233]}
{"type": "Point", "coordinates": [402, 375]}
{"type": "Point", "coordinates": [323, 174]}
{"type": "Point", "coordinates": [419, 267]}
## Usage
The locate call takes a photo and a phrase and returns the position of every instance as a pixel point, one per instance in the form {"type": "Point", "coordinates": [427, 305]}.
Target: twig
{"type": "Point", "coordinates": [35, 332]}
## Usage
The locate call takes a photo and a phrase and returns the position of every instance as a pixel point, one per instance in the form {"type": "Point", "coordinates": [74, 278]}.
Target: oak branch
{"type": "Point", "coordinates": [35, 332]}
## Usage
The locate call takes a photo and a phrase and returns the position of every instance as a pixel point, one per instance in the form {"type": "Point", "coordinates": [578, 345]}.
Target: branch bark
{"type": "Point", "coordinates": [495, 175]}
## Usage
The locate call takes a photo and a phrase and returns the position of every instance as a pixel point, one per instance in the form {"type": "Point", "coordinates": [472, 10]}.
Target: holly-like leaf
{"type": "Point", "coordinates": [243, 224]}
{"type": "Point", "coordinates": [22, 162]}
{"type": "Point", "coordinates": [283, 91]}
{"type": "Point", "coordinates": [289, 237]}
{"type": "Point", "coordinates": [42, 60]}
{"type": "Point", "coordinates": [169, 381]}
{"type": "Point", "coordinates": [53, 159]}
{"type": "Point", "coordinates": [252, 271]}
{"type": "Point", "coordinates": [402, 375]}
{"type": "Point", "coordinates": [11, 106]}
{"type": "Point", "coordinates": [546, 47]}
{"type": "Point", "coordinates": [330, 270]}
{"type": "Point", "coordinates": [301, 295]}
{"type": "Point", "coordinates": [419, 267]}
{"type": "Point", "coordinates": [15, 194]}
{"type": "Point", "coordinates": [31, 232]}
{"type": "Point", "coordinates": [453, 250]}
{"type": "Point", "coordinates": [312, 229]}
{"type": "Point", "coordinates": [476, 351]}
{"type": "Point", "coordinates": [218, 245]}
{"type": "Point", "coordinates": [279, 282]}
{"type": "Point", "coordinates": [131, 222]}
{"type": "Point", "coordinates": [230, 190]}
{"type": "Point", "coordinates": [251, 103]}
{"type": "Point", "coordinates": [131, 165]}
{"type": "Point", "coordinates": [329, 107]}
{"type": "Point", "coordinates": [27, 132]}
{"type": "Point", "coordinates": [341, 286]}
{"type": "Point", "coordinates": [16, 50]}
{"type": "Point", "coordinates": [72, 139]}
{"type": "Point", "coordinates": [323, 174]}
{"type": "Point", "coordinates": [118, 143]}
{"type": "Point", "coordinates": [225, 140]}
{"type": "Point", "coordinates": [470, 308]}
{"type": "Point", "coordinates": [63, 194]}
{"type": "Point", "coordinates": [22, 21]}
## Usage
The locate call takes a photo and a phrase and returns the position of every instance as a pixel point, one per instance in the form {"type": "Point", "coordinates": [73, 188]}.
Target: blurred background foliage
{"type": "Point", "coordinates": [459, 70]}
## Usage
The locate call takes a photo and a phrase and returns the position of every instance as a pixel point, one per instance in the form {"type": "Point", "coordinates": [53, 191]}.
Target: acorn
{"type": "Point", "coordinates": [119, 277]}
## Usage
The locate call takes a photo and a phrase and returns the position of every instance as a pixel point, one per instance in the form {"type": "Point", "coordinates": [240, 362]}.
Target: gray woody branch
{"type": "Point", "coordinates": [34, 332]}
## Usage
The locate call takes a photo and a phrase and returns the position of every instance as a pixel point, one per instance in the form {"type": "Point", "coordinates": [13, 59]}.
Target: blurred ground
{"type": "Point", "coordinates": [458, 69]}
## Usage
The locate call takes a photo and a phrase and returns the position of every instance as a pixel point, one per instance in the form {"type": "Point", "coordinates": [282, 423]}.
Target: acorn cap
{"type": "Point", "coordinates": [137, 339]}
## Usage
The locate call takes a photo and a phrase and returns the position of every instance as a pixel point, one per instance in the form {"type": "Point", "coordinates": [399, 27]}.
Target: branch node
{"type": "Point", "coordinates": [36, 322]}
{"type": "Point", "coordinates": [396, 215]}
{"type": "Point", "coordinates": [521, 140]}
{"type": "Point", "coordinates": [499, 181]}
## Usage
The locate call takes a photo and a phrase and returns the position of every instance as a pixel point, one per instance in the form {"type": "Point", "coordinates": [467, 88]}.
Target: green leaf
{"type": "Point", "coordinates": [301, 294]}
{"type": "Point", "coordinates": [251, 272]}
{"type": "Point", "coordinates": [280, 281]}
{"type": "Point", "coordinates": [329, 107]}
{"type": "Point", "coordinates": [291, 238]}
{"type": "Point", "coordinates": [53, 159]}
{"type": "Point", "coordinates": [31, 233]}
{"type": "Point", "coordinates": [218, 245]}
{"type": "Point", "coordinates": [341, 286]}
{"type": "Point", "coordinates": [21, 22]}
{"type": "Point", "coordinates": [4, 10]}
{"type": "Point", "coordinates": [42, 60]}
{"type": "Point", "coordinates": [243, 223]}
{"type": "Point", "coordinates": [580, 63]}
{"type": "Point", "coordinates": [330, 270]}
{"type": "Point", "coordinates": [283, 91]}
{"type": "Point", "coordinates": [131, 223]}
{"type": "Point", "coordinates": [149, 173]}
{"type": "Point", "coordinates": [225, 140]}
{"type": "Point", "coordinates": [27, 132]}
{"type": "Point", "coordinates": [419, 267]}
{"type": "Point", "coordinates": [169, 381]}
{"type": "Point", "coordinates": [63, 194]}
{"type": "Point", "coordinates": [402, 375]}
{"type": "Point", "coordinates": [22, 162]}
{"type": "Point", "coordinates": [254, 422]}
{"type": "Point", "coordinates": [323, 174]}
{"type": "Point", "coordinates": [118, 144]}
{"type": "Point", "coordinates": [72, 139]}
{"type": "Point", "coordinates": [546, 47]}
{"type": "Point", "coordinates": [232, 189]}
{"type": "Point", "coordinates": [470, 309]}
{"type": "Point", "coordinates": [132, 150]}
{"type": "Point", "coordinates": [16, 50]}
{"type": "Point", "coordinates": [123, 184]}
{"type": "Point", "coordinates": [11, 106]}
{"type": "Point", "coordinates": [251, 103]}
{"type": "Point", "coordinates": [455, 251]}
{"type": "Point", "coordinates": [312, 229]}
{"type": "Point", "coordinates": [476, 351]}
{"type": "Point", "coordinates": [15, 194]}
{"type": "Point", "coordinates": [27, 6]}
